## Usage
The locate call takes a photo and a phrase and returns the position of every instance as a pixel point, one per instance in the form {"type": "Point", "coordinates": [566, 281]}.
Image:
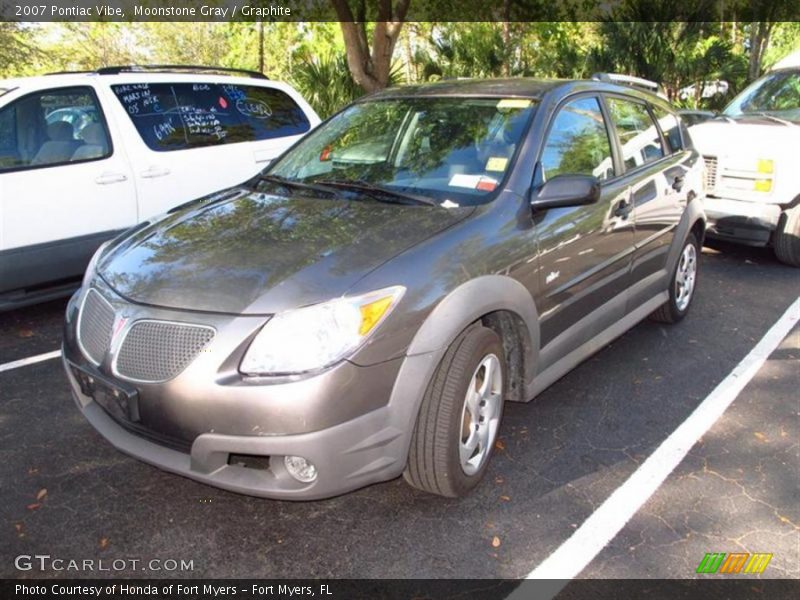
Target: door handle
{"type": "Point", "coordinates": [154, 172]}
{"type": "Point", "coordinates": [107, 178]}
{"type": "Point", "coordinates": [677, 183]}
{"type": "Point", "coordinates": [623, 209]}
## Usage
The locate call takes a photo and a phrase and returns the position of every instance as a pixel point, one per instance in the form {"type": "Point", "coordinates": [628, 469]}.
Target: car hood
{"type": "Point", "coordinates": [754, 136]}
{"type": "Point", "coordinates": [248, 252]}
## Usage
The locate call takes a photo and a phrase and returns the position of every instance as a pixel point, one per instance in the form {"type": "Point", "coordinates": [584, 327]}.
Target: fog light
{"type": "Point", "coordinates": [300, 468]}
{"type": "Point", "coordinates": [763, 185]}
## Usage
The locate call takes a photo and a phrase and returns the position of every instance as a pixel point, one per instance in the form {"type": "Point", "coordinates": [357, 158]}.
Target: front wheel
{"type": "Point", "coordinates": [682, 284]}
{"type": "Point", "coordinates": [787, 237]}
{"type": "Point", "coordinates": [458, 421]}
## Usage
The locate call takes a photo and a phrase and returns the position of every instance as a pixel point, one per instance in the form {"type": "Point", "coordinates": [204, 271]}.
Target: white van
{"type": "Point", "coordinates": [84, 156]}
{"type": "Point", "coordinates": [753, 166]}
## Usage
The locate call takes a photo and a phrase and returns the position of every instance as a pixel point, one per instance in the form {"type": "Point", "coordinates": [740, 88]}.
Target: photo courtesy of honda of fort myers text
{"type": "Point", "coordinates": [316, 299]}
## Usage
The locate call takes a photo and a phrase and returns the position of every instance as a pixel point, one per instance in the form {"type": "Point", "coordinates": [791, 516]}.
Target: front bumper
{"type": "Point", "coordinates": [196, 430]}
{"type": "Point", "coordinates": [741, 221]}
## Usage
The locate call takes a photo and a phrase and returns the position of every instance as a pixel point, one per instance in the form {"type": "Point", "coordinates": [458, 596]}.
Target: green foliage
{"type": "Point", "coordinates": [639, 41]}
{"type": "Point", "coordinates": [325, 82]}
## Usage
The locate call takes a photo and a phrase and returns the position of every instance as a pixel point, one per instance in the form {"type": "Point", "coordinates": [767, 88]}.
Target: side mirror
{"type": "Point", "coordinates": [566, 190]}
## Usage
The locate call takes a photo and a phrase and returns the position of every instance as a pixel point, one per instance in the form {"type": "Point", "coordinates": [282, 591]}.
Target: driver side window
{"type": "Point", "coordinates": [578, 142]}
{"type": "Point", "coordinates": [53, 127]}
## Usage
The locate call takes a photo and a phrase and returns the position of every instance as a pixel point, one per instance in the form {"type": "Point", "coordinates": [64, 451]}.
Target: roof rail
{"type": "Point", "coordinates": [630, 80]}
{"type": "Point", "coordinates": [168, 68]}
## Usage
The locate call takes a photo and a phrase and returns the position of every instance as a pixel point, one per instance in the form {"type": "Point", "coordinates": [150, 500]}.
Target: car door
{"type": "Point", "coordinates": [65, 186]}
{"type": "Point", "coordinates": [655, 172]}
{"type": "Point", "coordinates": [188, 139]}
{"type": "Point", "coordinates": [584, 251]}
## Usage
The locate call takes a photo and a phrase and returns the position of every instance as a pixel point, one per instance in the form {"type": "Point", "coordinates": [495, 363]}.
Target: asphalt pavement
{"type": "Point", "coordinates": [68, 494]}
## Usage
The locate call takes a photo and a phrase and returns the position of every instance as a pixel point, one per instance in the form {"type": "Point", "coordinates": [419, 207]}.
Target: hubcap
{"type": "Point", "coordinates": [685, 277]}
{"type": "Point", "coordinates": [480, 417]}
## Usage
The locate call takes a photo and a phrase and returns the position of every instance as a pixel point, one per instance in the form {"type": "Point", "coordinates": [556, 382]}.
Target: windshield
{"type": "Point", "coordinates": [776, 95]}
{"type": "Point", "coordinates": [455, 151]}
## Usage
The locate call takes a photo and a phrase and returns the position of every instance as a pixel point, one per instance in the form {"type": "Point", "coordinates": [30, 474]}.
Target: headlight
{"type": "Point", "coordinates": [315, 337]}
{"type": "Point", "coordinates": [92, 267]}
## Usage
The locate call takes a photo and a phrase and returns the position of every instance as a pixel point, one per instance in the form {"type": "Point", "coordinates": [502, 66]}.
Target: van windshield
{"type": "Point", "coordinates": [449, 149]}
{"type": "Point", "coordinates": [774, 95]}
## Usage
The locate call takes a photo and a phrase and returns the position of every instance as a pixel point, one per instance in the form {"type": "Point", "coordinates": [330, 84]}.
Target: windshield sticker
{"type": "Point", "coordinates": [473, 182]}
{"type": "Point", "coordinates": [496, 163]}
{"type": "Point", "coordinates": [514, 103]}
{"type": "Point", "coordinates": [486, 184]}
{"type": "Point", "coordinates": [465, 181]}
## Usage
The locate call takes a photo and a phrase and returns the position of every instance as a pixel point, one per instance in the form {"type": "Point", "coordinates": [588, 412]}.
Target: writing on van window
{"type": "Point", "coordinates": [162, 130]}
{"type": "Point", "coordinates": [177, 116]}
{"type": "Point", "coordinates": [251, 107]}
{"type": "Point", "coordinates": [138, 98]}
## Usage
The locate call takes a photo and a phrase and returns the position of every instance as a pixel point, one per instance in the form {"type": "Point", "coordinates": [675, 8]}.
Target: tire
{"type": "Point", "coordinates": [444, 428]}
{"type": "Point", "coordinates": [786, 242]}
{"type": "Point", "coordinates": [687, 268]}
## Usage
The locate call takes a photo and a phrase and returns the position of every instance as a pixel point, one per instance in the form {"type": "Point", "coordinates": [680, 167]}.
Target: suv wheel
{"type": "Point", "coordinates": [682, 284]}
{"type": "Point", "coordinates": [787, 237]}
{"type": "Point", "coordinates": [460, 416]}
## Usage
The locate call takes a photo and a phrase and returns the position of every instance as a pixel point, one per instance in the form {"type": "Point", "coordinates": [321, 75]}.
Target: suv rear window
{"type": "Point", "coordinates": [177, 116]}
{"type": "Point", "coordinates": [670, 128]}
{"type": "Point", "coordinates": [638, 136]}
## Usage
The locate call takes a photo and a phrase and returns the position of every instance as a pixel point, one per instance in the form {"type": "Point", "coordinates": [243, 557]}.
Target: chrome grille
{"type": "Point", "coordinates": [96, 323]}
{"type": "Point", "coordinates": [159, 350]}
{"type": "Point", "coordinates": [711, 172]}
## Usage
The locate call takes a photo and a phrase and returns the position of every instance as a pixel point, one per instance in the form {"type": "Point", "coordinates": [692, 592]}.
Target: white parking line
{"type": "Point", "coordinates": [605, 523]}
{"type": "Point", "coordinates": [31, 360]}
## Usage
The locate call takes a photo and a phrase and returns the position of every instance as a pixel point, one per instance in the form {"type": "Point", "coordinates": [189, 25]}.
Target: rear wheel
{"type": "Point", "coordinates": [787, 237]}
{"type": "Point", "coordinates": [682, 284]}
{"type": "Point", "coordinates": [458, 421]}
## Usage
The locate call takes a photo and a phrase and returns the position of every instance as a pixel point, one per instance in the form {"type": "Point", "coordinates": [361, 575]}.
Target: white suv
{"type": "Point", "coordinates": [84, 156]}
{"type": "Point", "coordinates": [753, 166]}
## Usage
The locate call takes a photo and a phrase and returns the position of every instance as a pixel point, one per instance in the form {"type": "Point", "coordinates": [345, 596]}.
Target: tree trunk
{"type": "Point", "coordinates": [370, 68]}
{"type": "Point", "coordinates": [260, 46]}
{"type": "Point", "coordinates": [759, 41]}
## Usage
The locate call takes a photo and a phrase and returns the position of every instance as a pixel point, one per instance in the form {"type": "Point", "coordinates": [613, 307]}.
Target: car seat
{"type": "Point", "coordinates": [59, 148]}
{"type": "Point", "coordinates": [95, 143]}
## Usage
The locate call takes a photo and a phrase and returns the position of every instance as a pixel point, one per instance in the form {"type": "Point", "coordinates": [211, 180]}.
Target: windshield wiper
{"type": "Point", "coordinates": [774, 118]}
{"type": "Point", "coordinates": [294, 183]}
{"type": "Point", "coordinates": [377, 191]}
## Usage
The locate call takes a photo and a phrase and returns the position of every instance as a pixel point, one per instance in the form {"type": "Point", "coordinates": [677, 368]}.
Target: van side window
{"type": "Point", "coordinates": [668, 123]}
{"type": "Point", "coordinates": [178, 116]}
{"type": "Point", "coordinates": [578, 142]}
{"type": "Point", "coordinates": [637, 132]}
{"type": "Point", "coordinates": [54, 127]}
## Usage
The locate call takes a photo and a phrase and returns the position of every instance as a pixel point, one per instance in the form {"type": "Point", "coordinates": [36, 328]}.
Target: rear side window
{"type": "Point", "coordinates": [578, 142]}
{"type": "Point", "coordinates": [53, 127]}
{"type": "Point", "coordinates": [670, 128]}
{"type": "Point", "coordinates": [178, 116]}
{"type": "Point", "coordinates": [637, 132]}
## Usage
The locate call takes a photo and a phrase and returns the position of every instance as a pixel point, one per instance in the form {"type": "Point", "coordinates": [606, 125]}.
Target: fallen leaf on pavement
{"type": "Point", "coordinates": [495, 542]}
{"type": "Point", "coordinates": [505, 498]}
{"type": "Point", "coordinates": [34, 506]}
{"type": "Point", "coordinates": [42, 493]}
{"type": "Point", "coordinates": [500, 445]}
{"type": "Point", "coordinates": [760, 436]}
{"type": "Point", "coordinates": [25, 333]}
{"type": "Point", "coordinates": [103, 543]}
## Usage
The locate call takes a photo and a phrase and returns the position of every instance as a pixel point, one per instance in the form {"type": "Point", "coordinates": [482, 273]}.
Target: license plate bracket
{"type": "Point", "coordinates": [117, 401]}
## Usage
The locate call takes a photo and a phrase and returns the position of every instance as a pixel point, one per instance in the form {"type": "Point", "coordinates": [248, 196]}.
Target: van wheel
{"type": "Point", "coordinates": [458, 421]}
{"type": "Point", "coordinates": [787, 237]}
{"type": "Point", "coordinates": [682, 284]}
